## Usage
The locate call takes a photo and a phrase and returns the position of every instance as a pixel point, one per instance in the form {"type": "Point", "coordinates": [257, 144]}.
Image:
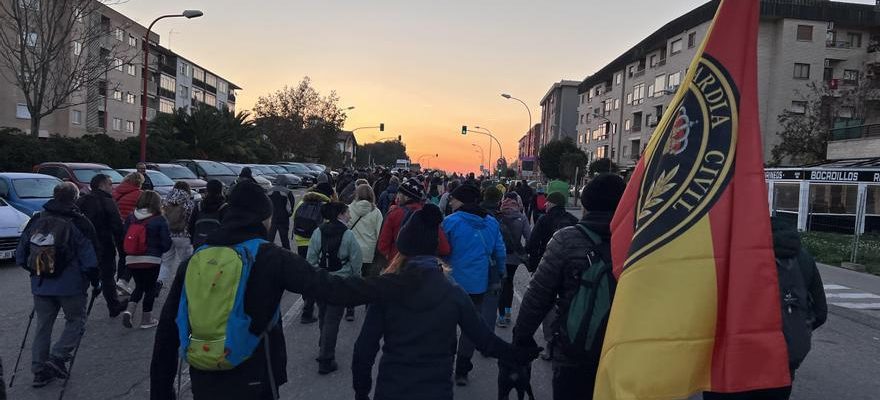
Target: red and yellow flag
{"type": "Point", "coordinates": [697, 303]}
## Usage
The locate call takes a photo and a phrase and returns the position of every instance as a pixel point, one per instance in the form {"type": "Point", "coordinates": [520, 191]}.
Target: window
{"type": "Point", "coordinates": [117, 64]}
{"type": "Point", "coordinates": [21, 111]}
{"type": "Point", "coordinates": [130, 69]}
{"type": "Point", "coordinates": [692, 41]}
{"type": "Point", "coordinates": [608, 106]}
{"type": "Point", "coordinates": [132, 41]}
{"type": "Point", "coordinates": [582, 118]}
{"type": "Point", "coordinates": [801, 71]}
{"type": "Point", "coordinates": [616, 104]}
{"type": "Point", "coordinates": [184, 91]}
{"type": "Point", "coordinates": [629, 98]}
{"type": "Point", "coordinates": [185, 69]}
{"type": "Point", "coordinates": [805, 33]}
{"type": "Point", "coordinates": [77, 48]}
{"type": "Point", "coordinates": [129, 126]}
{"type": "Point", "coordinates": [601, 151]}
{"type": "Point", "coordinates": [854, 39]}
{"type": "Point", "coordinates": [627, 125]}
{"type": "Point", "coordinates": [652, 61]}
{"type": "Point", "coordinates": [76, 117]}
{"type": "Point", "coordinates": [618, 77]}
{"type": "Point", "coordinates": [660, 85]}
{"type": "Point", "coordinates": [129, 98]}
{"type": "Point", "coordinates": [222, 86]}
{"type": "Point", "coordinates": [210, 80]}
{"type": "Point", "coordinates": [639, 94]}
{"type": "Point", "coordinates": [582, 99]}
{"type": "Point", "coordinates": [30, 39]}
{"type": "Point", "coordinates": [798, 107]}
{"type": "Point", "coordinates": [117, 95]}
{"type": "Point", "coordinates": [198, 74]}
{"type": "Point", "coordinates": [168, 83]}
{"type": "Point", "coordinates": [119, 34]}
{"type": "Point", "coordinates": [166, 106]}
{"type": "Point", "coordinates": [850, 77]}
{"type": "Point", "coordinates": [198, 95]}
{"type": "Point", "coordinates": [210, 99]}
{"type": "Point", "coordinates": [117, 124]}
{"type": "Point", "coordinates": [676, 46]}
{"type": "Point", "coordinates": [674, 80]}
{"type": "Point", "coordinates": [637, 122]}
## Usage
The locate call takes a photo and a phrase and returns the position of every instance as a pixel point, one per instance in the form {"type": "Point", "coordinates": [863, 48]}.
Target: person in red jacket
{"type": "Point", "coordinates": [127, 193]}
{"type": "Point", "coordinates": [409, 200]}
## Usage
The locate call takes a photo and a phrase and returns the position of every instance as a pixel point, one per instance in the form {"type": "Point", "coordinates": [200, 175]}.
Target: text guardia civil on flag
{"type": "Point", "coordinates": [697, 303]}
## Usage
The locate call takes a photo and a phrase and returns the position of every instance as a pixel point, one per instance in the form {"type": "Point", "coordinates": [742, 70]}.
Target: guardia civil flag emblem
{"type": "Point", "coordinates": [697, 303]}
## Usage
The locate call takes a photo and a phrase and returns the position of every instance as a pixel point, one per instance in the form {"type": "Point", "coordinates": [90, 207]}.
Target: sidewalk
{"type": "Point", "coordinates": [850, 289]}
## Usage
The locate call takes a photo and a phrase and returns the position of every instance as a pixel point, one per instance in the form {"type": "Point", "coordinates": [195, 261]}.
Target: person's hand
{"type": "Point", "coordinates": [94, 278]}
{"type": "Point", "coordinates": [512, 377]}
{"type": "Point", "coordinates": [525, 355]}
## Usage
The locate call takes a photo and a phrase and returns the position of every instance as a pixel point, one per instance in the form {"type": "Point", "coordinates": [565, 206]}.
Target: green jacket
{"type": "Point", "coordinates": [349, 252]}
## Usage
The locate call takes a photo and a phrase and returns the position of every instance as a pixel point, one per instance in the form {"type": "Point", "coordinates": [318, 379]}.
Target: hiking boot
{"type": "Point", "coordinates": [461, 380]}
{"type": "Point", "coordinates": [147, 320]}
{"type": "Point", "coordinates": [43, 378]}
{"type": "Point", "coordinates": [307, 319]}
{"type": "Point", "coordinates": [57, 368]}
{"type": "Point", "coordinates": [122, 286]}
{"type": "Point", "coordinates": [327, 366]}
{"type": "Point", "coordinates": [120, 307]}
{"type": "Point", "coordinates": [502, 322]}
{"type": "Point", "coordinates": [128, 314]}
{"type": "Point", "coordinates": [349, 314]}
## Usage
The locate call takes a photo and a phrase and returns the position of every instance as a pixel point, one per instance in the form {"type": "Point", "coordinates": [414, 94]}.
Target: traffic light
{"type": "Point", "coordinates": [399, 138]}
{"type": "Point", "coordinates": [464, 129]}
{"type": "Point", "coordinates": [382, 127]}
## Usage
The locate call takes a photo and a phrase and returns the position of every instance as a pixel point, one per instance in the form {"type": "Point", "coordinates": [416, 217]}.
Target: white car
{"type": "Point", "coordinates": [12, 223]}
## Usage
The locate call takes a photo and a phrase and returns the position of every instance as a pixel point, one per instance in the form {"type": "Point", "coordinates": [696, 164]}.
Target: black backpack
{"type": "Point", "coordinates": [48, 254]}
{"type": "Point", "coordinates": [512, 242]}
{"type": "Point", "coordinates": [307, 218]}
{"type": "Point", "coordinates": [206, 224]}
{"type": "Point", "coordinates": [331, 242]}
{"type": "Point", "coordinates": [797, 314]}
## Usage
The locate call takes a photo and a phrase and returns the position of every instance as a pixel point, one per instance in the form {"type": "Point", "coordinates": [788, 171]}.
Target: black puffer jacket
{"type": "Point", "coordinates": [555, 219]}
{"type": "Point", "coordinates": [556, 281]}
{"type": "Point", "coordinates": [98, 206]}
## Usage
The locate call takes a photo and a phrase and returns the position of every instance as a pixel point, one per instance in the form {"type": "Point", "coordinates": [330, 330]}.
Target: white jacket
{"type": "Point", "coordinates": [365, 223]}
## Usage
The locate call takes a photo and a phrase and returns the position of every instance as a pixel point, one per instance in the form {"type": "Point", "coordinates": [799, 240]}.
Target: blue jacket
{"type": "Point", "coordinates": [475, 237]}
{"type": "Point", "coordinates": [158, 238]}
{"type": "Point", "coordinates": [74, 278]}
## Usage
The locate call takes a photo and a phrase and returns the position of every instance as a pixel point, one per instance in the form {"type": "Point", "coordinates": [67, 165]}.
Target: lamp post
{"type": "Point", "coordinates": [189, 14]}
{"type": "Point", "coordinates": [427, 155]}
{"type": "Point", "coordinates": [482, 155]}
{"type": "Point", "coordinates": [509, 97]}
{"type": "Point", "coordinates": [500, 149]}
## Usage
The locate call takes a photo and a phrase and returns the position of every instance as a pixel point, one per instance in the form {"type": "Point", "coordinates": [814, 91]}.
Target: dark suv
{"type": "Point", "coordinates": [207, 170]}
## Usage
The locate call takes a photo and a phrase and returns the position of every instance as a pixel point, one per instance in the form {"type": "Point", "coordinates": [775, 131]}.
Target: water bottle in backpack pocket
{"type": "Point", "coordinates": [47, 253]}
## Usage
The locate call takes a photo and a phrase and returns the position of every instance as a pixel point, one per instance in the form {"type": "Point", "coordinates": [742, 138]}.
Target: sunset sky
{"type": "Point", "coordinates": [424, 68]}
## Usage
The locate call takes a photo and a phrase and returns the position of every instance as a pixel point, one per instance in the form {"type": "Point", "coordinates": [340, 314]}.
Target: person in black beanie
{"type": "Point", "coordinates": [275, 270]}
{"type": "Point", "coordinates": [419, 330]}
{"type": "Point", "coordinates": [557, 279]}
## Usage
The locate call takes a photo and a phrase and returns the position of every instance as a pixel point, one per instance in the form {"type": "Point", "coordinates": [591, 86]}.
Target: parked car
{"type": "Point", "coordinates": [272, 172]}
{"type": "Point", "coordinates": [207, 170]}
{"type": "Point", "coordinates": [162, 184]}
{"type": "Point", "coordinates": [316, 167]}
{"type": "Point", "coordinates": [12, 223]}
{"type": "Point", "coordinates": [80, 174]}
{"type": "Point", "coordinates": [309, 177]}
{"type": "Point", "coordinates": [180, 173]}
{"type": "Point", "coordinates": [258, 175]}
{"type": "Point", "coordinates": [27, 192]}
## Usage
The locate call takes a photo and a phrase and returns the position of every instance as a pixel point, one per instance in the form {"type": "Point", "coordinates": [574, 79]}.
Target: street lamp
{"type": "Point", "coordinates": [487, 133]}
{"type": "Point", "coordinates": [509, 97]}
{"type": "Point", "coordinates": [427, 155]}
{"type": "Point", "coordinates": [188, 14]}
{"type": "Point", "coordinates": [482, 155]}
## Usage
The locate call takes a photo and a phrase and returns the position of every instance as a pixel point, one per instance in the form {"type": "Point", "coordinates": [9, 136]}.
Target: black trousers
{"type": "Point", "coordinates": [463, 364]}
{"type": "Point", "coordinates": [782, 393]}
{"type": "Point", "coordinates": [107, 267]}
{"type": "Point", "coordinates": [283, 228]}
{"type": "Point", "coordinates": [573, 383]}
{"type": "Point", "coordinates": [145, 286]}
{"type": "Point", "coordinates": [506, 300]}
{"type": "Point", "coordinates": [308, 302]}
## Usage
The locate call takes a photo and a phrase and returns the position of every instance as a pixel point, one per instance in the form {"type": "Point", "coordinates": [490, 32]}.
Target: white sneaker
{"type": "Point", "coordinates": [147, 321]}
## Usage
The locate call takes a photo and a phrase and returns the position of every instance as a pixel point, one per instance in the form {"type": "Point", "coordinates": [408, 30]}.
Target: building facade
{"type": "Point", "coordinates": [559, 112]}
{"type": "Point", "coordinates": [529, 147]}
{"type": "Point", "coordinates": [802, 42]}
{"type": "Point", "coordinates": [112, 106]}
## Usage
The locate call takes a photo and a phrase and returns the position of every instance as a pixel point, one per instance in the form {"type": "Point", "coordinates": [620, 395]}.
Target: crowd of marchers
{"type": "Point", "coordinates": [434, 258]}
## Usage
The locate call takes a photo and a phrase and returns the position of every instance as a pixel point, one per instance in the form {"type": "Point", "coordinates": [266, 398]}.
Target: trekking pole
{"type": "Point", "coordinates": [95, 292]}
{"type": "Point", "coordinates": [21, 350]}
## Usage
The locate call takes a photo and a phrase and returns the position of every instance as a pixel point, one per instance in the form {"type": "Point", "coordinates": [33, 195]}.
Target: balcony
{"type": "Point", "coordinates": [168, 94]}
{"type": "Point", "coordinates": [170, 69]}
{"type": "Point", "coordinates": [854, 142]}
{"type": "Point", "coordinates": [661, 63]}
{"type": "Point", "coordinates": [230, 98]}
{"type": "Point", "coordinates": [152, 88]}
{"type": "Point", "coordinates": [838, 44]}
{"type": "Point", "coordinates": [855, 132]}
{"type": "Point", "coordinates": [639, 73]}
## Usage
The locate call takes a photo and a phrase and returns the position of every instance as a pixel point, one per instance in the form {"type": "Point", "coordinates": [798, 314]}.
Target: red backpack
{"type": "Point", "coordinates": [135, 243]}
{"type": "Point", "coordinates": [541, 201]}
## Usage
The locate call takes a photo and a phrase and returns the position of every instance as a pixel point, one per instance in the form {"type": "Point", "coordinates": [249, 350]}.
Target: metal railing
{"type": "Point", "coordinates": [855, 132]}
{"type": "Point", "coordinates": [838, 44]}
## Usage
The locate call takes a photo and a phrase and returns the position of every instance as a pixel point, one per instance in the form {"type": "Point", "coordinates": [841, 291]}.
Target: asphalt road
{"type": "Point", "coordinates": [114, 362]}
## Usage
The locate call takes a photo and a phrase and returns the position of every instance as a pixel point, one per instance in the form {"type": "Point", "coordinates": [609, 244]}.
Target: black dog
{"type": "Point", "coordinates": [515, 377]}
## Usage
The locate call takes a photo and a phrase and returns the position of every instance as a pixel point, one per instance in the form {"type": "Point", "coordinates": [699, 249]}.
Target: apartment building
{"type": "Point", "coordinates": [112, 106]}
{"type": "Point", "coordinates": [529, 147]}
{"type": "Point", "coordinates": [559, 112]}
{"type": "Point", "coordinates": [799, 42]}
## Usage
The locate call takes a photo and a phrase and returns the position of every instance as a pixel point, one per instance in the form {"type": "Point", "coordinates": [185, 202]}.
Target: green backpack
{"type": "Point", "coordinates": [582, 325]}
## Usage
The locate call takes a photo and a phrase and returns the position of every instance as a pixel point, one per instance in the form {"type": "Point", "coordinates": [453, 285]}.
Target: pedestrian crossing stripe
{"type": "Point", "coordinates": [837, 293]}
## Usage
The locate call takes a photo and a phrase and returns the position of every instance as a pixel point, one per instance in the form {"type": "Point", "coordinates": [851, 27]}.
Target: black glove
{"type": "Point", "coordinates": [94, 277]}
{"type": "Point", "coordinates": [514, 377]}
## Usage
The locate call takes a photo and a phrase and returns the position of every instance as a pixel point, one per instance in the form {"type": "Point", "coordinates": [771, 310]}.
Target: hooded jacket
{"type": "Point", "coordinates": [386, 199]}
{"type": "Point", "coordinates": [83, 265]}
{"type": "Point", "coordinates": [209, 206]}
{"type": "Point", "coordinates": [475, 239]}
{"type": "Point", "coordinates": [310, 196]}
{"type": "Point", "coordinates": [126, 196]}
{"type": "Point", "coordinates": [158, 237]}
{"type": "Point", "coordinates": [391, 227]}
{"type": "Point", "coordinates": [419, 335]}
{"type": "Point", "coordinates": [548, 224]}
{"type": "Point", "coordinates": [349, 251]}
{"type": "Point", "coordinates": [275, 271]}
{"type": "Point", "coordinates": [557, 280]}
{"type": "Point", "coordinates": [182, 198]}
{"type": "Point", "coordinates": [518, 226]}
{"type": "Point", "coordinates": [282, 202]}
{"type": "Point", "coordinates": [365, 224]}
{"type": "Point", "coordinates": [99, 208]}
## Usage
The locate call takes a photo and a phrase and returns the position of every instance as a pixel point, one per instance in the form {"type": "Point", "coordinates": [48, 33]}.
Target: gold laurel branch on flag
{"type": "Point", "coordinates": [658, 188]}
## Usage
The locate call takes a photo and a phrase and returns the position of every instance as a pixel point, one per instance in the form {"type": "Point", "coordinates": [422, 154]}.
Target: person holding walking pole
{"type": "Point", "coordinates": [57, 248]}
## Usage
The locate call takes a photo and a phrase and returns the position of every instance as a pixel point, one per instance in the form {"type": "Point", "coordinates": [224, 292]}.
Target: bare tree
{"type": "Point", "coordinates": [53, 50]}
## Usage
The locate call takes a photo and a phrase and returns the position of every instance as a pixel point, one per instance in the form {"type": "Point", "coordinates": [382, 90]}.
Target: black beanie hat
{"type": "Point", "coordinates": [420, 237]}
{"type": "Point", "coordinates": [468, 194]}
{"type": "Point", "coordinates": [215, 187]}
{"type": "Point", "coordinates": [603, 193]}
{"type": "Point", "coordinates": [249, 198]}
{"type": "Point", "coordinates": [492, 195]}
{"type": "Point", "coordinates": [331, 211]}
{"type": "Point", "coordinates": [412, 189]}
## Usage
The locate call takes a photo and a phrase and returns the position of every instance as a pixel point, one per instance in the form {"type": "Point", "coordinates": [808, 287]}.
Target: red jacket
{"type": "Point", "coordinates": [126, 196]}
{"type": "Point", "coordinates": [391, 226]}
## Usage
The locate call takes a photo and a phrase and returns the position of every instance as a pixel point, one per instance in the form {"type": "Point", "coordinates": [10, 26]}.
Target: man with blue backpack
{"type": "Point", "coordinates": [574, 277]}
{"type": "Point", "coordinates": [222, 314]}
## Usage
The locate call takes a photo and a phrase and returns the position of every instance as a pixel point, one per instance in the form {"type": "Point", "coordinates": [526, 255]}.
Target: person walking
{"type": "Point", "coordinates": [142, 169]}
{"type": "Point", "coordinates": [60, 274]}
{"type": "Point", "coordinates": [387, 197]}
{"type": "Point", "coordinates": [333, 247]}
{"type": "Point", "coordinates": [365, 224]}
{"type": "Point", "coordinates": [419, 331]}
{"type": "Point", "coordinates": [515, 228]}
{"type": "Point", "coordinates": [283, 203]}
{"type": "Point", "coordinates": [273, 272]}
{"type": "Point", "coordinates": [804, 306]}
{"type": "Point", "coordinates": [127, 193]}
{"type": "Point", "coordinates": [409, 200]}
{"type": "Point", "coordinates": [178, 208]}
{"type": "Point", "coordinates": [307, 217]}
{"type": "Point", "coordinates": [558, 279]}
{"type": "Point", "coordinates": [444, 199]}
{"type": "Point", "coordinates": [525, 194]}
{"type": "Point", "coordinates": [101, 211]}
{"type": "Point", "coordinates": [477, 260]}
{"type": "Point", "coordinates": [207, 214]}
{"type": "Point", "coordinates": [147, 238]}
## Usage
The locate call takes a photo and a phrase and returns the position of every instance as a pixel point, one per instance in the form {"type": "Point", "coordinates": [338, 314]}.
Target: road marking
{"type": "Point", "coordinates": [839, 292]}
{"type": "Point", "coordinates": [859, 306]}
{"type": "Point", "coordinates": [851, 296]}
{"type": "Point", "coordinates": [835, 287]}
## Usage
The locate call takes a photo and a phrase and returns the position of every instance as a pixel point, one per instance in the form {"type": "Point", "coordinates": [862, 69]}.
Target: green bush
{"type": "Point", "coordinates": [836, 248]}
